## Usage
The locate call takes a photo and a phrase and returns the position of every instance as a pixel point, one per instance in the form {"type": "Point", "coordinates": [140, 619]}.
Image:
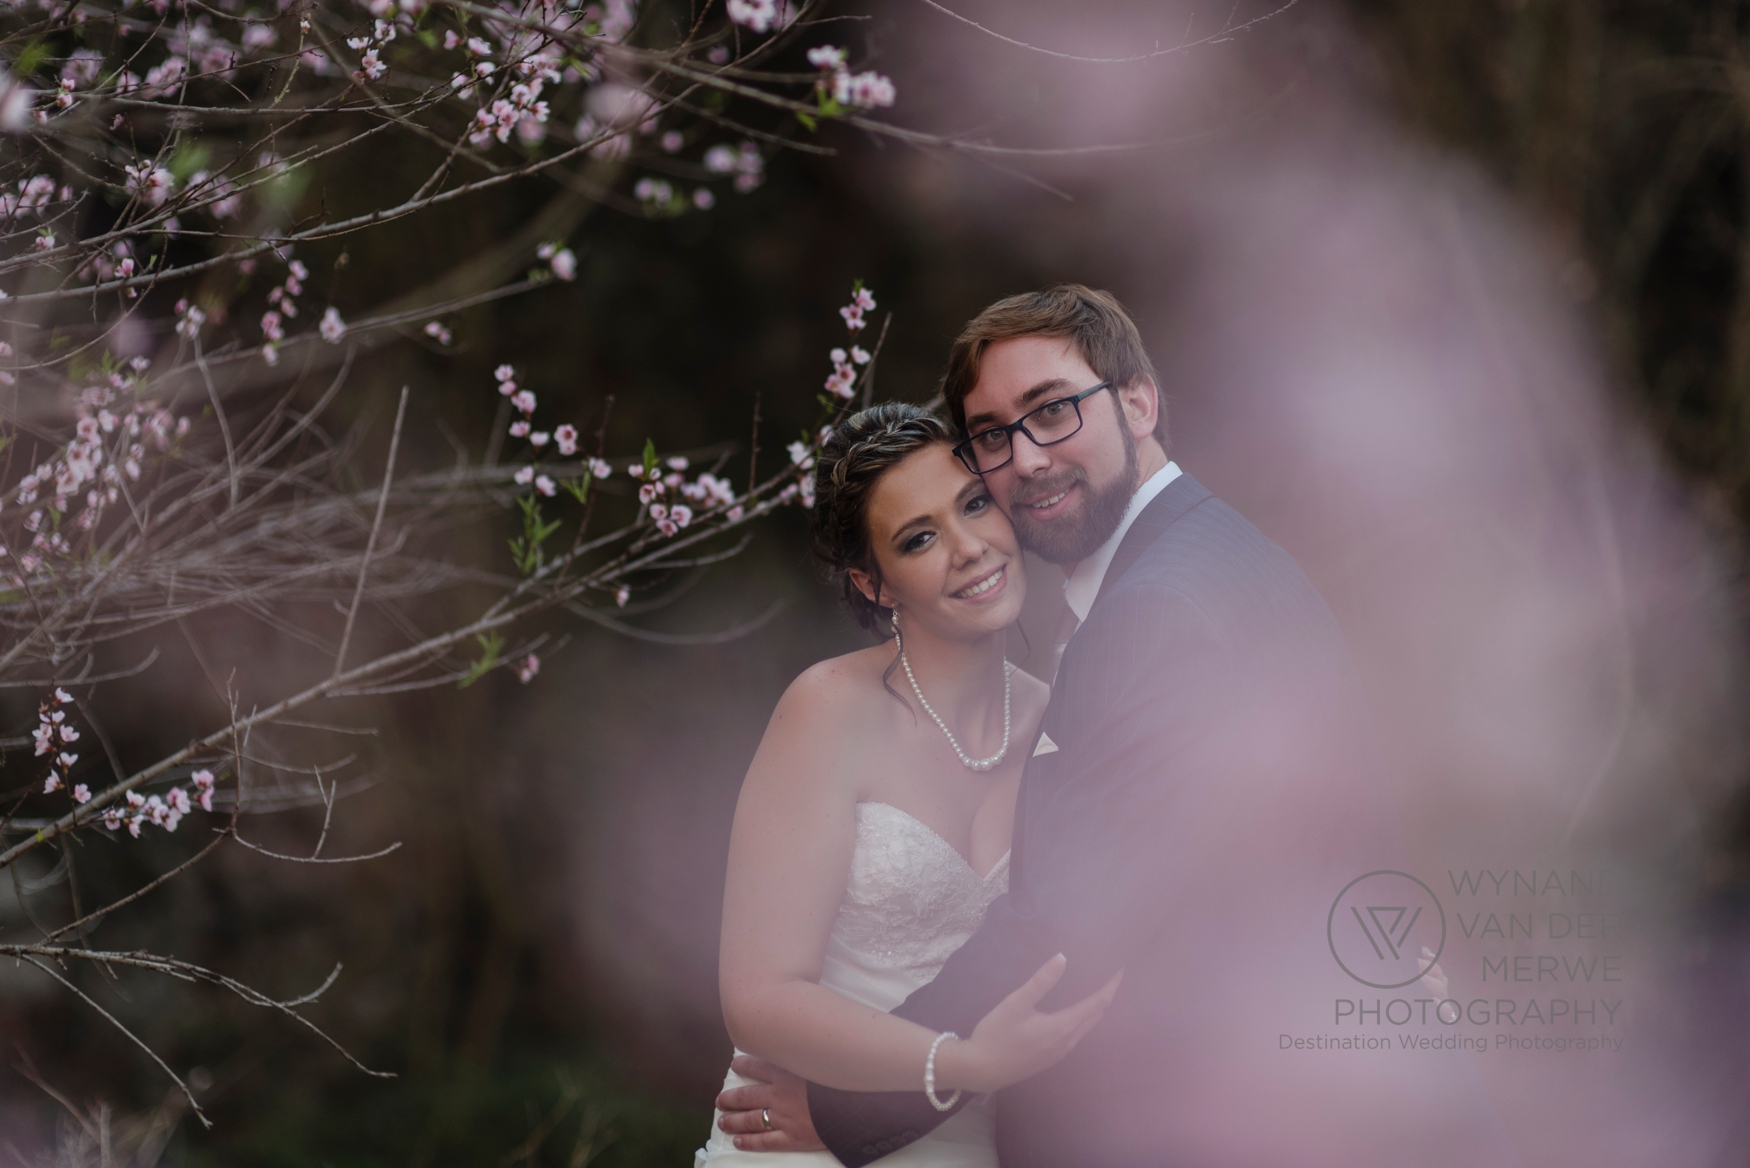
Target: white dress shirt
{"type": "Point", "coordinates": [1083, 584]}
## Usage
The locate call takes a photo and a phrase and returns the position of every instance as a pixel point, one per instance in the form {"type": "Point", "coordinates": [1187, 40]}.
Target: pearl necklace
{"type": "Point", "coordinates": [966, 760]}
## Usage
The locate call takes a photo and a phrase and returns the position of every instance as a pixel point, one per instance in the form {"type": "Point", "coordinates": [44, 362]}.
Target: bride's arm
{"type": "Point", "coordinates": [789, 856]}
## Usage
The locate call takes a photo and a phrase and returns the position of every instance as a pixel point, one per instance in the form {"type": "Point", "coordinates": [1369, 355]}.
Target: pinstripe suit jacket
{"type": "Point", "coordinates": [1213, 787]}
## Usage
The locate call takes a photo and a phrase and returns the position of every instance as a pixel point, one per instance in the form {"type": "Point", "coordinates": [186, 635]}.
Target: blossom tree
{"type": "Point", "coordinates": [174, 372]}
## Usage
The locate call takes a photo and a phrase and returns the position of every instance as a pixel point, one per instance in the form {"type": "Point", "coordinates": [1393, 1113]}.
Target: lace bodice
{"type": "Point", "coordinates": [910, 901]}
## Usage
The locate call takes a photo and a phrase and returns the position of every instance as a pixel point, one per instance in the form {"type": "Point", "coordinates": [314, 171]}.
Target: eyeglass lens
{"type": "Point", "coordinates": [1052, 422]}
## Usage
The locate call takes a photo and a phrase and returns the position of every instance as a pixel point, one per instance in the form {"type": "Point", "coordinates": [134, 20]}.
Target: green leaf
{"type": "Point", "coordinates": [808, 120]}
{"type": "Point", "coordinates": [29, 58]}
{"type": "Point", "coordinates": [490, 644]}
{"type": "Point", "coordinates": [579, 488]}
{"type": "Point", "coordinates": [190, 159]}
{"type": "Point", "coordinates": [649, 457]}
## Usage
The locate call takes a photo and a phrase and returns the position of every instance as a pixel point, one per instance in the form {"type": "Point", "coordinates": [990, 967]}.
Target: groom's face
{"type": "Point", "coordinates": [1065, 499]}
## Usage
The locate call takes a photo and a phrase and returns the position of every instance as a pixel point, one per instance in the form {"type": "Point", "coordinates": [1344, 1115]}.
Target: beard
{"type": "Point", "coordinates": [1073, 538]}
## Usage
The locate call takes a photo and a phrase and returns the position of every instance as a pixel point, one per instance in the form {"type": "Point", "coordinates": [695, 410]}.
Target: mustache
{"type": "Point", "coordinates": [1043, 488]}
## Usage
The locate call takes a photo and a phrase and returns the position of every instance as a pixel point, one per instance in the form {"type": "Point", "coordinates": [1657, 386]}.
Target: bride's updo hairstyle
{"type": "Point", "coordinates": [860, 450]}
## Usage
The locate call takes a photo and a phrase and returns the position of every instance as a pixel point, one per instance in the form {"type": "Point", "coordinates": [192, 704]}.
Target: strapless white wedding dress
{"type": "Point", "coordinates": [910, 901]}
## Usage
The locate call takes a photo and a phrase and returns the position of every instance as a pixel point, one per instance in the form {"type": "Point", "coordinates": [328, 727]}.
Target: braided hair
{"type": "Point", "coordinates": [859, 451]}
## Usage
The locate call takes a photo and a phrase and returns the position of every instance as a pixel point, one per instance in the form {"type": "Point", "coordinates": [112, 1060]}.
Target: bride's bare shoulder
{"type": "Point", "coordinates": [834, 692]}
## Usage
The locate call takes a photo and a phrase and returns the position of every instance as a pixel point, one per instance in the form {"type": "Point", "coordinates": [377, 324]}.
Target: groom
{"type": "Point", "coordinates": [1202, 786]}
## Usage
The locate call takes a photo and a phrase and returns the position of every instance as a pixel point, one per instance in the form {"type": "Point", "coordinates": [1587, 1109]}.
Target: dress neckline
{"type": "Point", "coordinates": [1002, 860]}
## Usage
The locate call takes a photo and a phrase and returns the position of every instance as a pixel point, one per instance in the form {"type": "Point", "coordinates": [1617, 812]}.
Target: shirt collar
{"type": "Point", "coordinates": [1083, 584]}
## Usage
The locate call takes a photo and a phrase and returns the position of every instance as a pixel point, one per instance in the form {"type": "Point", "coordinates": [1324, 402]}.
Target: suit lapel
{"type": "Point", "coordinates": [1164, 510]}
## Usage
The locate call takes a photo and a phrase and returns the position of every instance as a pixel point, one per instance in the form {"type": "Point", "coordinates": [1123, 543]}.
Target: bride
{"type": "Point", "coordinates": [873, 826]}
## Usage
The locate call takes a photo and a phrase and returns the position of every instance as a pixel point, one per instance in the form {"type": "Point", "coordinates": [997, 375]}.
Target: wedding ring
{"type": "Point", "coordinates": [766, 1115]}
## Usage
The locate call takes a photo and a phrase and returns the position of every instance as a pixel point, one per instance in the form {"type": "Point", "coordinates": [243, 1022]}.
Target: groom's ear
{"type": "Point", "coordinates": [1141, 403]}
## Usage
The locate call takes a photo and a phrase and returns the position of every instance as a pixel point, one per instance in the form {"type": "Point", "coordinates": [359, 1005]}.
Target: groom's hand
{"type": "Point", "coordinates": [779, 1094]}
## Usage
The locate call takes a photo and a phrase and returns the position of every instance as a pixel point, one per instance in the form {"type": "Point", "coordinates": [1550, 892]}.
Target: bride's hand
{"type": "Point", "coordinates": [1015, 1040]}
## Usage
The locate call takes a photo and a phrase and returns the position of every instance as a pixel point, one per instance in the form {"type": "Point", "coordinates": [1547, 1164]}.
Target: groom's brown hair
{"type": "Point", "coordinates": [1102, 332]}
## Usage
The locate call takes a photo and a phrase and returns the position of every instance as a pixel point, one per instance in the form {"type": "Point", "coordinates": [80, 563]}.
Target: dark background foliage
{"type": "Point", "coordinates": [536, 963]}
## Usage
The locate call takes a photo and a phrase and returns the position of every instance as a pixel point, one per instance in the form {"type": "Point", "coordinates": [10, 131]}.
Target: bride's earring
{"type": "Point", "coordinates": [894, 620]}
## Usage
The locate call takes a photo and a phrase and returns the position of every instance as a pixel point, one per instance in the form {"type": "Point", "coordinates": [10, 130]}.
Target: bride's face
{"type": "Point", "coordinates": [947, 556]}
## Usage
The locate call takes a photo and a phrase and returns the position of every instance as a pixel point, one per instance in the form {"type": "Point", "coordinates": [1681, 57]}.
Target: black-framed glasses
{"type": "Point", "coordinates": [1044, 425]}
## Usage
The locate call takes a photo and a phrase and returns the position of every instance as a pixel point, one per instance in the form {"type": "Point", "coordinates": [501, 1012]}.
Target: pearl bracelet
{"type": "Point", "coordinates": [930, 1075]}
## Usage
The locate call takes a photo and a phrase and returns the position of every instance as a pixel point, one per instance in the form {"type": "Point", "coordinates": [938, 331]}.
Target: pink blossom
{"type": "Point", "coordinates": [52, 783]}
{"type": "Point", "coordinates": [758, 15]}
{"type": "Point", "coordinates": [565, 265]}
{"type": "Point", "coordinates": [519, 428]}
{"type": "Point", "coordinates": [807, 491]}
{"type": "Point", "coordinates": [523, 400]}
{"type": "Point", "coordinates": [799, 455]}
{"type": "Point", "coordinates": [735, 513]}
{"type": "Point", "coordinates": [504, 373]}
{"type": "Point", "coordinates": [864, 299]}
{"type": "Point", "coordinates": [843, 381]}
{"type": "Point", "coordinates": [66, 760]}
{"type": "Point", "coordinates": [81, 794]}
{"type": "Point", "coordinates": [526, 668]}
{"type": "Point", "coordinates": [600, 468]}
{"type": "Point", "coordinates": [539, 439]}
{"type": "Point", "coordinates": [189, 326]}
{"type": "Point", "coordinates": [864, 90]}
{"type": "Point", "coordinates": [332, 327]}
{"type": "Point", "coordinates": [546, 486]}
{"type": "Point", "coordinates": [826, 57]}
{"type": "Point", "coordinates": [648, 492]}
{"type": "Point", "coordinates": [853, 317]}
{"type": "Point", "coordinates": [202, 779]}
{"type": "Point", "coordinates": [681, 514]}
{"type": "Point", "coordinates": [525, 476]}
{"type": "Point", "coordinates": [371, 66]}
{"type": "Point", "coordinates": [622, 594]}
{"type": "Point", "coordinates": [658, 511]}
{"type": "Point", "coordinates": [437, 332]}
{"type": "Point", "coordinates": [566, 437]}
{"type": "Point", "coordinates": [860, 356]}
{"type": "Point", "coordinates": [112, 818]}
{"type": "Point", "coordinates": [720, 159]}
{"type": "Point", "coordinates": [677, 462]}
{"type": "Point", "coordinates": [151, 184]}
{"type": "Point", "coordinates": [716, 490]}
{"type": "Point", "coordinates": [177, 798]}
{"type": "Point", "coordinates": [703, 199]}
